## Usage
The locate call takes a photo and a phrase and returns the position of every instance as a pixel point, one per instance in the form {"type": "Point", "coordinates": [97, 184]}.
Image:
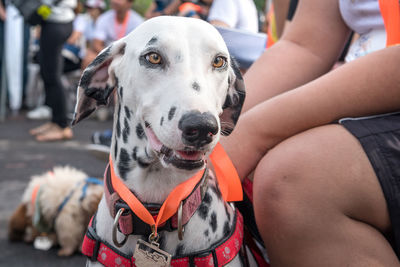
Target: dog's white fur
{"type": "Point", "coordinates": [71, 222]}
{"type": "Point", "coordinates": [187, 81]}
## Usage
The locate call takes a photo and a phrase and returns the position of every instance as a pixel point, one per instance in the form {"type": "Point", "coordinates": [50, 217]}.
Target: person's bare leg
{"type": "Point", "coordinates": [318, 203]}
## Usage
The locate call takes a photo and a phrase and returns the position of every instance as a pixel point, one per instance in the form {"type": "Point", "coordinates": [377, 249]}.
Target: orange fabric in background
{"type": "Point", "coordinates": [390, 10]}
{"type": "Point", "coordinates": [189, 6]}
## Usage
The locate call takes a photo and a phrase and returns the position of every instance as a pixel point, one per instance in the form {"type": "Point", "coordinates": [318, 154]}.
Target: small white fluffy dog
{"type": "Point", "coordinates": [59, 203]}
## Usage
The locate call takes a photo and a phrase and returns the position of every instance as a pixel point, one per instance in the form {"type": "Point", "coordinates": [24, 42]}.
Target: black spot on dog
{"type": "Point", "coordinates": [236, 69]}
{"type": "Point", "coordinates": [171, 113]}
{"type": "Point", "coordinates": [145, 151]}
{"type": "Point", "coordinates": [179, 250]}
{"type": "Point", "coordinates": [126, 131]}
{"type": "Point", "coordinates": [118, 126]}
{"type": "Point", "coordinates": [213, 221]}
{"type": "Point", "coordinates": [216, 191]}
{"type": "Point", "coordinates": [235, 105]}
{"type": "Point", "coordinates": [196, 86]}
{"type": "Point", "coordinates": [100, 94]}
{"type": "Point", "coordinates": [207, 199]}
{"type": "Point", "coordinates": [134, 153]}
{"type": "Point", "coordinates": [161, 121]}
{"type": "Point", "coordinates": [120, 92]}
{"type": "Point", "coordinates": [123, 163]}
{"type": "Point", "coordinates": [101, 58]}
{"type": "Point", "coordinates": [152, 41]}
{"type": "Point", "coordinates": [206, 233]}
{"type": "Point", "coordinates": [227, 229]}
{"type": "Point", "coordinates": [139, 131]}
{"type": "Point", "coordinates": [203, 211]}
{"type": "Point", "coordinates": [204, 206]}
{"type": "Point", "coordinates": [116, 149]}
{"type": "Point", "coordinates": [127, 113]}
{"type": "Point", "coordinates": [228, 102]}
{"type": "Point", "coordinates": [86, 78]}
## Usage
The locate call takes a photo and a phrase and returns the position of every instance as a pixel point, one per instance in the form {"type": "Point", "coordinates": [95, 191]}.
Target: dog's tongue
{"type": "Point", "coordinates": [190, 155]}
{"type": "Point", "coordinates": [153, 140]}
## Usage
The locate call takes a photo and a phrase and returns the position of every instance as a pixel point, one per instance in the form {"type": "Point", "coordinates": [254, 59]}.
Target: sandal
{"type": "Point", "coordinates": [56, 133]}
{"type": "Point", "coordinates": [42, 128]}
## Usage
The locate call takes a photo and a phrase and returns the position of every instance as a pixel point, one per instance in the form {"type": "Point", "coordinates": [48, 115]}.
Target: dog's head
{"type": "Point", "coordinates": [174, 79]}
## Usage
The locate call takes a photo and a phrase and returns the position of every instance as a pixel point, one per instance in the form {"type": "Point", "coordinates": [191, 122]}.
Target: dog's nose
{"type": "Point", "coordinates": [198, 128]}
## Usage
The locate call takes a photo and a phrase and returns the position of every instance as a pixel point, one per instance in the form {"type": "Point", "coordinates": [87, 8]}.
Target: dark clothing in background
{"type": "Point", "coordinates": [52, 38]}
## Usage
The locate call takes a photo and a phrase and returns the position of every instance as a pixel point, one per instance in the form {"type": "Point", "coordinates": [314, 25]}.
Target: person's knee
{"type": "Point", "coordinates": [284, 186]}
{"type": "Point", "coordinates": [274, 190]}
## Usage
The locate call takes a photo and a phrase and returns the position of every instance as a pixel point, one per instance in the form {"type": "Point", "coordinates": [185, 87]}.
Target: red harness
{"type": "Point", "coordinates": [140, 216]}
{"type": "Point", "coordinates": [218, 255]}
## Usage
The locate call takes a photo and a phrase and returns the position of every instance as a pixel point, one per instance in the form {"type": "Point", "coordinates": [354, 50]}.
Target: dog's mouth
{"type": "Point", "coordinates": [183, 159]}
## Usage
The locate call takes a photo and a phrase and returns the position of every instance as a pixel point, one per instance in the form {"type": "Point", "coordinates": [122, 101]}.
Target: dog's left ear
{"type": "Point", "coordinates": [233, 101]}
{"type": "Point", "coordinates": [98, 81]}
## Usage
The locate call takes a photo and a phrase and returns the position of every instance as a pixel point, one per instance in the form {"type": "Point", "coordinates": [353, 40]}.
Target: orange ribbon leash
{"type": "Point", "coordinates": [168, 208]}
{"type": "Point", "coordinates": [390, 10]}
{"type": "Point", "coordinates": [35, 191]}
{"type": "Point", "coordinates": [34, 196]}
{"type": "Point", "coordinates": [227, 176]}
{"type": "Point", "coordinates": [228, 180]}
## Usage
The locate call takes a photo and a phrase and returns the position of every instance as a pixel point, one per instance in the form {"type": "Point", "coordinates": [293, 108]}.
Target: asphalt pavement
{"type": "Point", "coordinates": [20, 158]}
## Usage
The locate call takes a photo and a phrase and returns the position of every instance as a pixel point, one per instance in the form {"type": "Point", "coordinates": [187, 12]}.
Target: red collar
{"type": "Point", "coordinates": [129, 219]}
{"type": "Point", "coordinates": [219, 255]}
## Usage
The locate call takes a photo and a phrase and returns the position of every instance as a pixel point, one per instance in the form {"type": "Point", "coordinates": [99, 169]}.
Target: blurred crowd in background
{"type": "Point", "coordinates": [41, 65]}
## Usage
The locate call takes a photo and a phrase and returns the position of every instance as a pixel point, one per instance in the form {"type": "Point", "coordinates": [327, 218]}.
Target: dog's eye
{"type": "Point", "coordinates": [153, 58]}
{"type": "Point", "coordinates": [219, 62]}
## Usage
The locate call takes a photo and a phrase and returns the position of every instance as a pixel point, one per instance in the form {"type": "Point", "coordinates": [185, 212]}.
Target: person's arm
{"type": "Point", "coordinates": [3, 14]}
{"type": "Point", "coordinates": [366, 86]}
{"type": "Point", "coordinates": [281, 8]}
{"type": "Point", "coordinates": [172, 8]}
{"type": "Point", "coordinates": [100, 34]}
{"type": "Point", "coordinates": [97, 45]}
{"type": "Point", "coordinates": [223, 13]}
{"type": "Point", "coordinates": [74, 37]}
{"type": "Point", "coordinates": [219, 23]}
{"type": "Point", "coordinates": [308, 49]}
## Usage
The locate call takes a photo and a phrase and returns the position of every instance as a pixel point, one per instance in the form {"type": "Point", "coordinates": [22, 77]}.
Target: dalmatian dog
{"type": "Point", "coordinates": [177, 90]}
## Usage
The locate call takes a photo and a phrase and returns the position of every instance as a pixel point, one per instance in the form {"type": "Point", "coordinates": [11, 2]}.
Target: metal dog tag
{"type": "Point", "coordinates": [150, 255]}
